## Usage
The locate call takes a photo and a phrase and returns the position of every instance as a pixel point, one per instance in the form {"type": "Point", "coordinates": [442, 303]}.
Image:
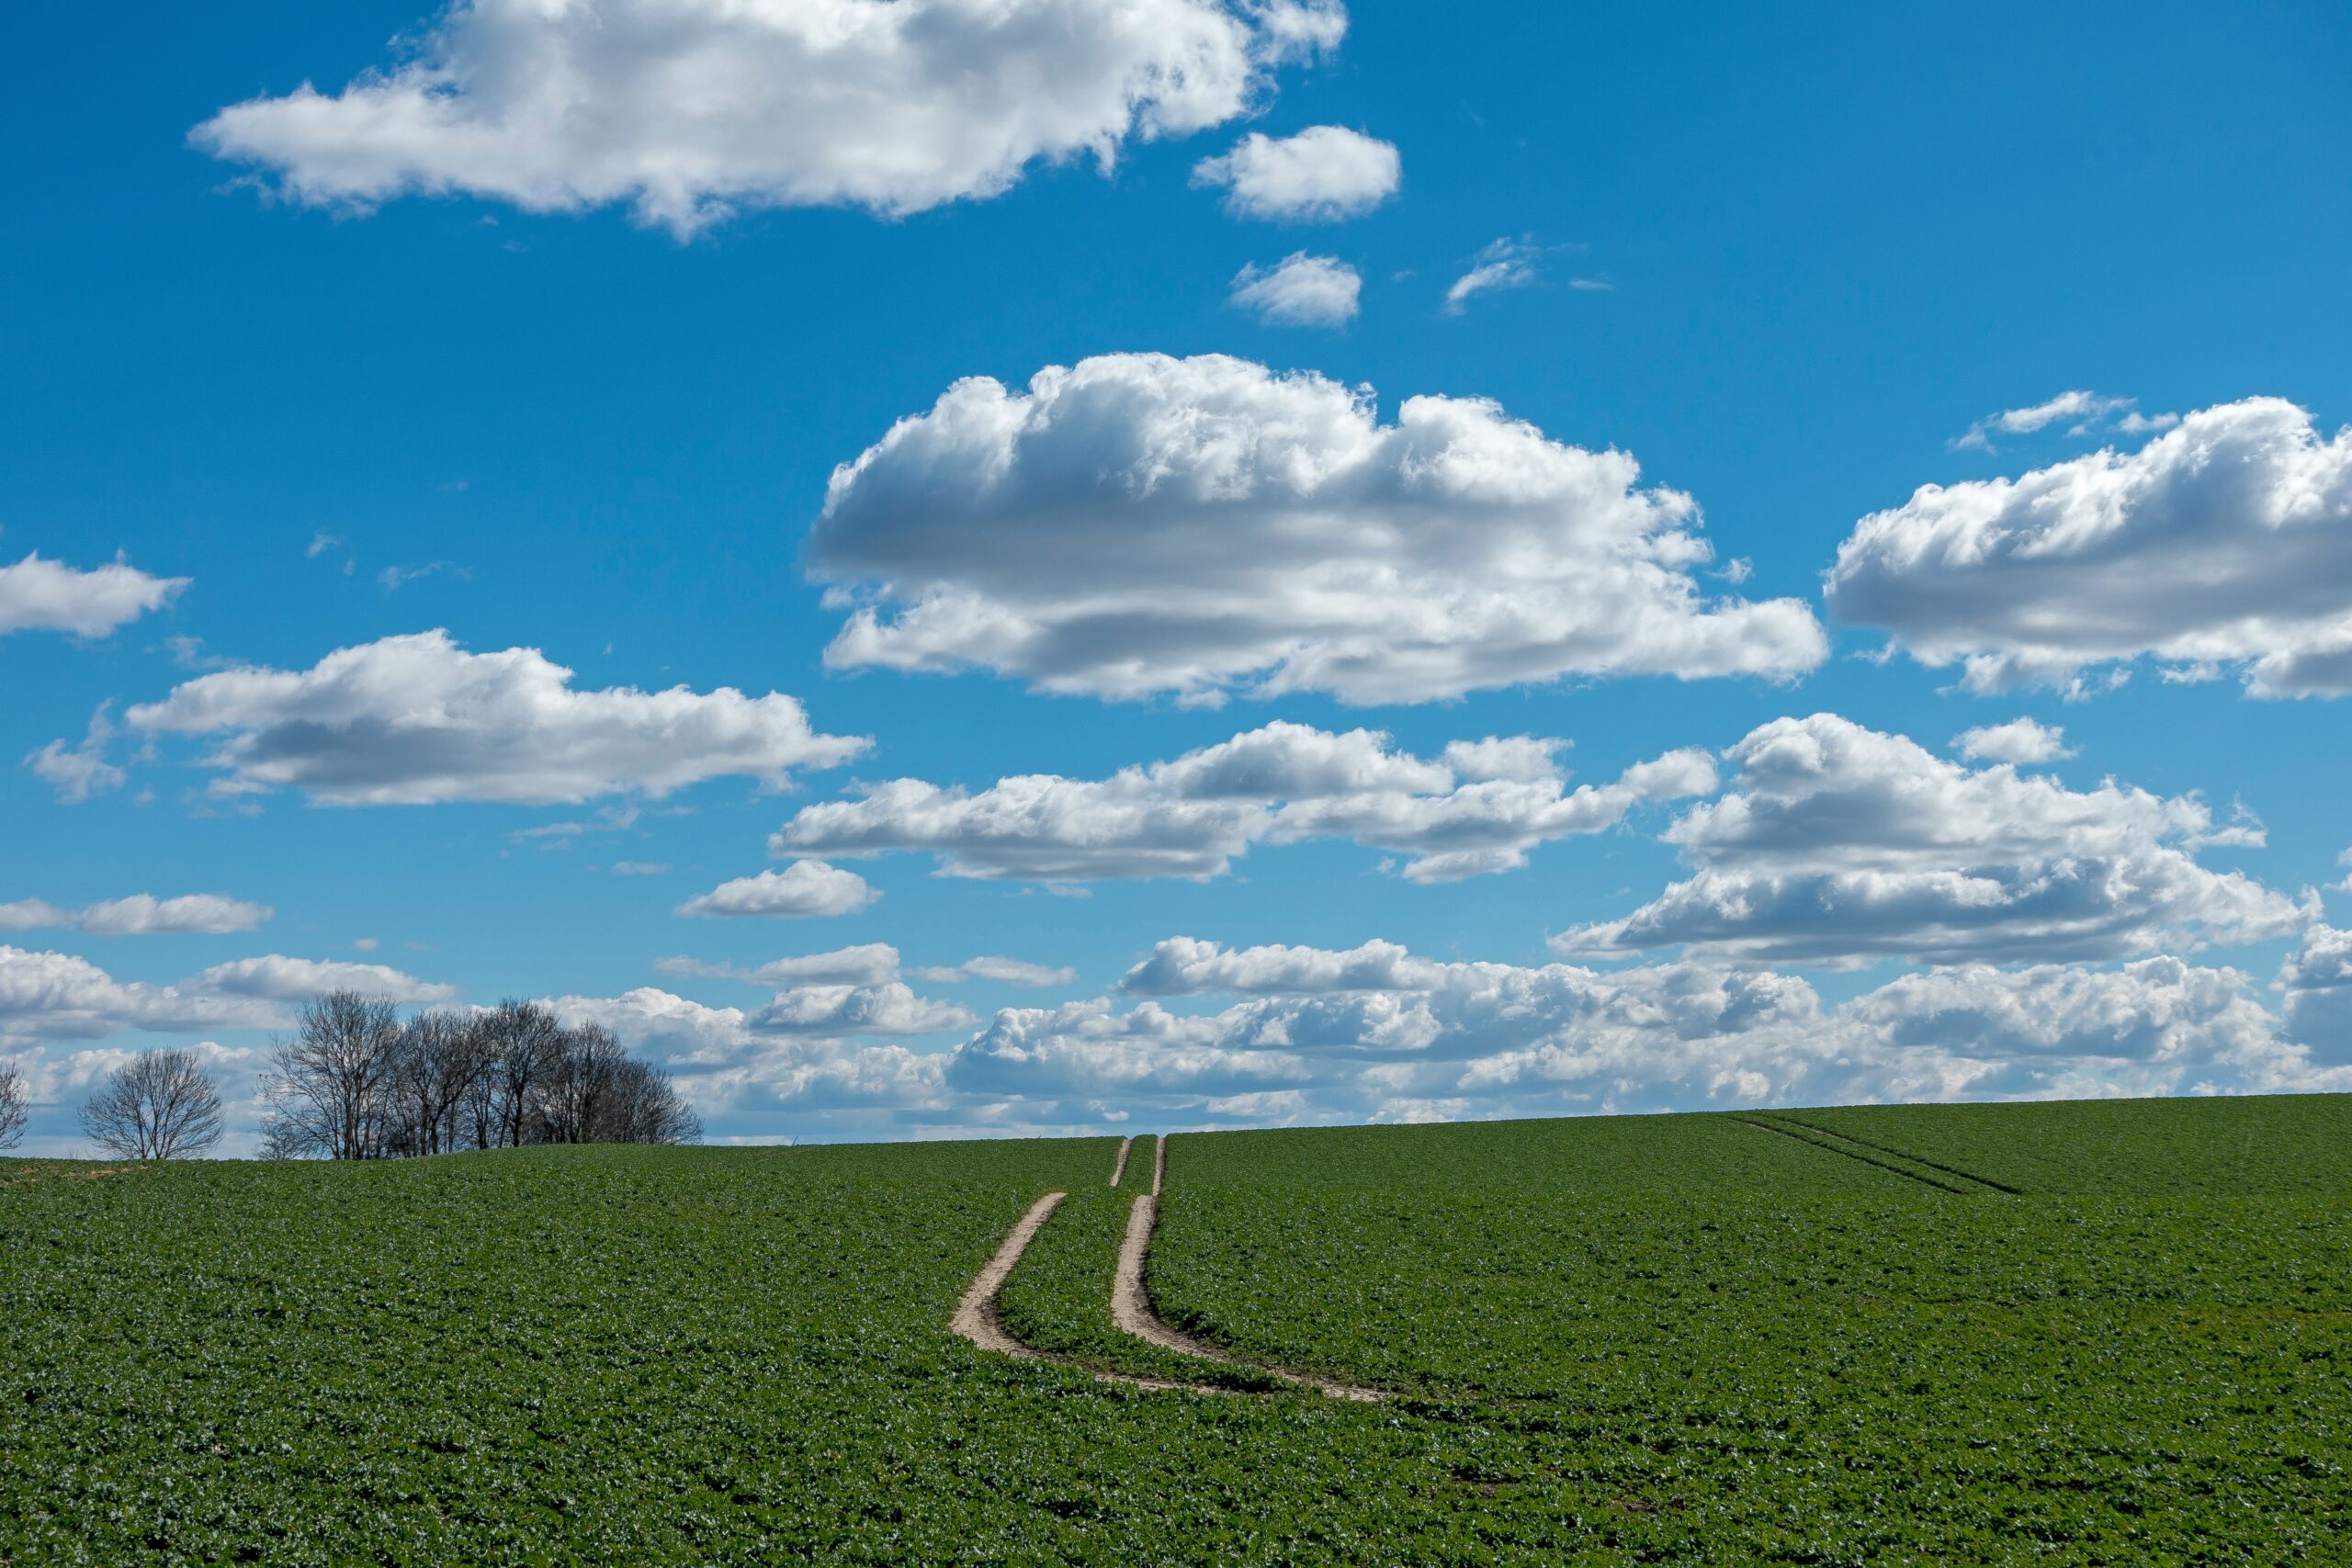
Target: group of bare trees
{"type": "Point", "coordinates": [355, 1081]}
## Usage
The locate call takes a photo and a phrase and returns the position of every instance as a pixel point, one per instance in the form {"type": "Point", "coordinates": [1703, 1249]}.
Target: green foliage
{"type": "Point", "coordinates": [1680, 1339]}
{"type": "Point", "coordinates": [2142, 1356]}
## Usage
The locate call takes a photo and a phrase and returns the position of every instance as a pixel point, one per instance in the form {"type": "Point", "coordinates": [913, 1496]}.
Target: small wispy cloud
{"type": "Point", "coordinates": [2084, 412]}
{"type": "Point", "coordinates": [76, 772]}
{"type": "Point", "coordinates": [1506, 263]}
{"type": "Point", "coordinates": [558, 835]}
{"type": "Point", "coordinates": [396, 577]}
{"type": "Point", "coordinates": [187, 652]}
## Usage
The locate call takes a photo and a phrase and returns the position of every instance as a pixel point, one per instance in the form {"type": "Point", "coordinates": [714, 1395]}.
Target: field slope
{"type": "Point", "coordinates": [2084, 1333]}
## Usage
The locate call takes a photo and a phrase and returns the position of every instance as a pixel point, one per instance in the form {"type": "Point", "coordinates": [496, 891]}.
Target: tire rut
{"type": "Point", "coordinates": [1131, 1309]}
{"type": "Point", "coordinates": [1826, 1146]}
{"type": "Point", "coordinates": [1905, 1154]}
{"type": "Point", "coordinates": [979, 1320]}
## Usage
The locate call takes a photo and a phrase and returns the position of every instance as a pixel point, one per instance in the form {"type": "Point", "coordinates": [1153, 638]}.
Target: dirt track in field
{"type": "Point", "coordinates": [975, 1315]}
{"type": "Point", "coordinates": [977, 1319]}
{"type": "Point", "coordinates": [1131, 1312]}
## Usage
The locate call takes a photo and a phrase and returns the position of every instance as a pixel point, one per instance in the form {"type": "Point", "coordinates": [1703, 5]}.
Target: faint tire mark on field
{"type": "Point", "coordinates": [977, 1319]}
{"type": "Point", "coordinates": [1856, 1153]}
{"type": "Point", "coordinates": [1131, 1312]}
{"type": "Point", "coordinates": [1158, 1163]}
{"type": "Point", "coordinates": [1120, 1167]}
{"type": "Point", "coordinates": [1905, 1154]}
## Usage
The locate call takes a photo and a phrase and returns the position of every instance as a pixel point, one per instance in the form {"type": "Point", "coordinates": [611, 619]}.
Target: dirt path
{"type": "Point", "coordinates": [978, 1320]}
{"type": "Point", "coordinates": [975, 1315]}
{"type": "Point", "coordinates": [1132, 1312]}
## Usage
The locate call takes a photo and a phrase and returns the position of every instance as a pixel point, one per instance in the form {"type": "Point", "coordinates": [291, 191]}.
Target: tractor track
{"type": "Point", "coordinates": [1826, 1147]}
{"type": "Point", "coordinates": [979, 1320]}
{"type": "Point", "coordinates": [1905, 1154]}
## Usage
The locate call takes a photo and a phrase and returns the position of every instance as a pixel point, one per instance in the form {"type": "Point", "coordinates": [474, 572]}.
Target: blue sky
{"type": "Point", "coordinates": [1786, 264]}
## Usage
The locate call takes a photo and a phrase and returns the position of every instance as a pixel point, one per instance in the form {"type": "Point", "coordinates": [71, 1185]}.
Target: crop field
{"type": "Point", "coordinates": [2114, 1332]}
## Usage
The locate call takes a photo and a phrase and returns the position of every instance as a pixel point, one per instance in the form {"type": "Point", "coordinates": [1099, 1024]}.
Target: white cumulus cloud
{"type": "Point", "coordinates": [1322, 174]}
{"type": "Point", "coordinates": [1141, 523]}
{"type": "Point", "coordinates": [409, 720]}
{"type": "Point", "coordinates": [1300, 290]}
{"type": "Point", "coordinates": [1836, 843]}
{"type": "Point", "coordinates": [38, 594]}
{"type": "Point", "coordinates": [140, 914]}
{"type": "Point", "coordinates": [691, 110]}
{"type": "Point", "coordinates": [1377, 1034]}
{"type": "Point", "coordinates": [275, 977]}
{"type": "Point", "coordinates": [1282, 783]}
{"type": "Point", "coordinates": [1185, 966]}
{"type": "Point", "coordinates": [804, 888]}
{"type": "Point", "coordinates": [889, 1008]}
{"type": "Point", "coordinates": [2018, 740]}
{"type": "Point", "coordinates": [56, 996]}
{"type": "Point", "coordinates": [2224, 546]}
{"type": "Point", "coordinates": [2317, 979]}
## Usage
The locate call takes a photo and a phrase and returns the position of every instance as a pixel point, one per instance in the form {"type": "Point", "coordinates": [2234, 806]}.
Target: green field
{"type": "Point", "coordinates": [2081, 1333]}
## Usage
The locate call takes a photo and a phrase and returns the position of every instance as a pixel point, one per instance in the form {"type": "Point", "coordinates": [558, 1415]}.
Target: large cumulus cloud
{"type": "Point", "coordinates": [1139, 524]}
{"type": "Point", "coordinates": [39, 595]}
{"type": "Point", "coordinates": [689, 109]}
{"type": "Point", "coordinates": [1479, 808]}
{"type": "Point", "coordinates": [415, 719]}
{"type": "Point", "coordinates": [2221, 545]}
{"type": "Point", "coordinates": [47, 995]}
{"type": "Point", "coordinates": [1836, 843]}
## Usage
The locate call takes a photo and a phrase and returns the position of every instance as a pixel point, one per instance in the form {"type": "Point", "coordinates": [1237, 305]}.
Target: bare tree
{"type": "Point", "coordinates": [158, 1105]}
{"type": "Point", "coordinates": [328, 1088]}
{"type": "Point", "coordinates": [582, 1084]}
{"type": "Point", "coordinates": [437, 1061]}
{"type": "Point", "coordinates": [13, 1108]}
{"type": "Point", "coordinates": [523, 1041]}
{"type": "Point", "coordinates": [646, 1109]}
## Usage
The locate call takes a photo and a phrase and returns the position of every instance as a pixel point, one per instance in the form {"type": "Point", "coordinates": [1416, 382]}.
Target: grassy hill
{"type": "Point", "coordinates": [2080, 1332]}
